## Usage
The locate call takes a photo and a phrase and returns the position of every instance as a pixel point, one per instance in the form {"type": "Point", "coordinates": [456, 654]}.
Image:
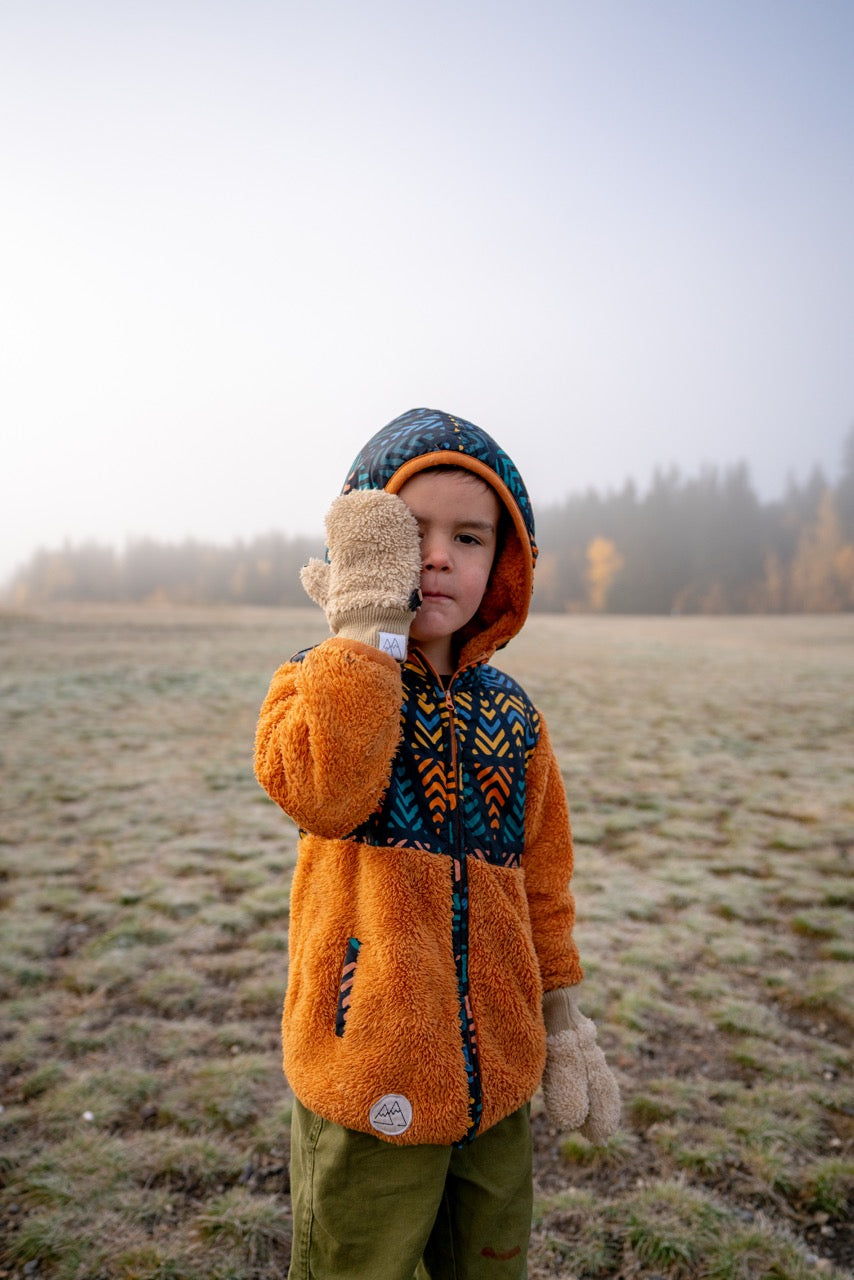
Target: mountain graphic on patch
{"type": "Point", "coordinates": [392, 1113]}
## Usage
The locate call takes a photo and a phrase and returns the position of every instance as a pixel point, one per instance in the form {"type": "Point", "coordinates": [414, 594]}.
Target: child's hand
{"type": "Point", "coordinates": [579, 1089]}
{"type": "Point", "coordinates": [369, 590]}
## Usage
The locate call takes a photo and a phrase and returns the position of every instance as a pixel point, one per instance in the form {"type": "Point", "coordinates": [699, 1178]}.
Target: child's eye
{"type": "Point", "coordinates": [469, 539]}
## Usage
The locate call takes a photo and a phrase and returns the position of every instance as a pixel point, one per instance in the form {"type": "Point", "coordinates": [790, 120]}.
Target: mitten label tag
{"type": "Point", "coordinates": [393, 644]}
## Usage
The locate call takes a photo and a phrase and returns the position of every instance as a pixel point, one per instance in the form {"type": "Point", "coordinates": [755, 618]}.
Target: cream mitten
{"type": "Point", "coordinates": [369, 590]}
{"type": "Point", "coordinates": [578, 1088]}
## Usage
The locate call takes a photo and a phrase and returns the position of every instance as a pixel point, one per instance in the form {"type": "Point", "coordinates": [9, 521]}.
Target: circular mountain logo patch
{"type": "Point", "coordinates": [391, 1114]}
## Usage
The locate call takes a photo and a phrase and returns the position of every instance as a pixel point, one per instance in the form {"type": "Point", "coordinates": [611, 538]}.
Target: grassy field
{"type": "Point", "coordinates": [144, 916]}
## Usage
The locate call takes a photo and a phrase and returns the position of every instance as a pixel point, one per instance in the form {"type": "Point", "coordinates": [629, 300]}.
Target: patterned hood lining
{"type": "Point", "coordinates": [424, 438]}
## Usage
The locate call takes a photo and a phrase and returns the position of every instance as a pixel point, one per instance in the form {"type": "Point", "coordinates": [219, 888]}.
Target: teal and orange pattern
{"type": "Point", "coordinates": [458, 780]}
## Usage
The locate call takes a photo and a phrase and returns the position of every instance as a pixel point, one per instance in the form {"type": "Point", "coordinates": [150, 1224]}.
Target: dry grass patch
{"type": "Point", "coordinates": [144, 914]}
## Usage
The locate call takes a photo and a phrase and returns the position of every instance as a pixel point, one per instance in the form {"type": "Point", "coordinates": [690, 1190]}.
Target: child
{"type": "Point", "coordinates": [433, 974]}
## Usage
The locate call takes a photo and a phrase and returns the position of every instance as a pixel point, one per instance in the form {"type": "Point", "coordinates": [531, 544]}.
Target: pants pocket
{"type": "Point", "coordinates": [345, 989]}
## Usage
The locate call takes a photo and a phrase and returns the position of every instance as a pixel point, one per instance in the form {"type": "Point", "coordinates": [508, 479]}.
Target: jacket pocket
{"type": "Point", "coordinates": [345, 987]}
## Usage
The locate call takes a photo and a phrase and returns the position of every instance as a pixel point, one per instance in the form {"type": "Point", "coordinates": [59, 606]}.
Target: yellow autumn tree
{"type": "Point", "coordinates": [822, 574]}
{"type": "Point", "coordinates": [604, 562]}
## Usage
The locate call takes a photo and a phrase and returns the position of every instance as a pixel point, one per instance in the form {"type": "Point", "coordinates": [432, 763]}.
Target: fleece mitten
{"type": "Point", "coordinates": [578, 1088]}
{"type": "Point", "coordinates": [369, 589]}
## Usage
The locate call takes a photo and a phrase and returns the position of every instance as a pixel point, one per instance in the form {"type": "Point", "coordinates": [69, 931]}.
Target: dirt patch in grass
{"type": "Point", "coordinates": [144, 911]}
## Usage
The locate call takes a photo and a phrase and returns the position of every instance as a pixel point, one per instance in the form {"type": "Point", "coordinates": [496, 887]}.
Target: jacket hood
{"type": "Point", "coordinates": [424, 438]}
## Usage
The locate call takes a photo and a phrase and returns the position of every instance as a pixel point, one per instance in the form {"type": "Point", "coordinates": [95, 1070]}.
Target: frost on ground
{"type": "Point", "coordinates": [144, 916]}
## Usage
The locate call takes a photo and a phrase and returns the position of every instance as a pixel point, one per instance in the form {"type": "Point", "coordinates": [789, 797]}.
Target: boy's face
{"type": "Point", "coordinates": [457, 516]}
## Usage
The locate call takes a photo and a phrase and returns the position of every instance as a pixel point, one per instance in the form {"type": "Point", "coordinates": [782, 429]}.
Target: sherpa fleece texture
{"type": "Point", "coordinates": [369, 586]}
{"type": "Point", "coordinates": [327, 737]}
{"type": "Point", "coordinates": [418, 962]}
{"type": "Point", "coordinates": [579, 1089]}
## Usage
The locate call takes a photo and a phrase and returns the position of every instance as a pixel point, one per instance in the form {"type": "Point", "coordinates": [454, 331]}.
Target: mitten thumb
{"type": "Point", "coordinates": [603, 1118]}
{"type": "Point", "coordinates": [315, 578]}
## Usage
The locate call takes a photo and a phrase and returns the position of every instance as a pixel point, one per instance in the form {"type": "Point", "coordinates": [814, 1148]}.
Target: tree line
{"type": "Point", "coordinates": [703, 544]}
{"type": "Point", "coordinates": [262, 571]}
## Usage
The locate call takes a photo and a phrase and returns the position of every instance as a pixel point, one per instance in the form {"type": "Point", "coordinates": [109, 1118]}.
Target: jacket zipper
{"type": "Point", "coordinates": [460, 927]}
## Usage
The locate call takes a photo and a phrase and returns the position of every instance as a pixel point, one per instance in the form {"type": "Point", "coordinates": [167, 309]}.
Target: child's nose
{"type": "Point", "coordinates": [435, 553]}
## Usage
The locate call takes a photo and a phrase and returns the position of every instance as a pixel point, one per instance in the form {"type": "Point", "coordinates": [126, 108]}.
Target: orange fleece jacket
{"type": "Point", "coordinates": [380, 1031]}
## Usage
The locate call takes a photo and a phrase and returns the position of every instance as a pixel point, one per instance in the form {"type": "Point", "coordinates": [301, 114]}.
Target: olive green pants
{"type": "Point", "coordinates": [365, 1209]}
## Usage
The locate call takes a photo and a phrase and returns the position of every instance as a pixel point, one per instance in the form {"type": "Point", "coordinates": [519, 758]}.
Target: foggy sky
{"type": "Point", "coordinates": [235, 240]}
